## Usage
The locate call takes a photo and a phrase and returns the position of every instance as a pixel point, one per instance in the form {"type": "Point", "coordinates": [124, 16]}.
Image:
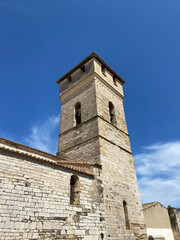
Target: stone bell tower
{"type": "Point", "coordinates": [93, 129]}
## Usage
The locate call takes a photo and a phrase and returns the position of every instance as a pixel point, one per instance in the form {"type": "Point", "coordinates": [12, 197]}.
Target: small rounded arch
{"type": "Point", "coordinates": [77, 109]}
{"type": "Point", "coordinates": [74, 179]}
{"type": "Point", "coordinates": [126, 215]}
{"type": "Point", "coordinates": [150, 237]}
{"type": "Point", "coordinates": [74, 190]}
{"type": "Point", "coordinates": [112, 113]}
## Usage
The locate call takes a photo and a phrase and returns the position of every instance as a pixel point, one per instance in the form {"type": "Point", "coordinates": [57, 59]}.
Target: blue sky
{"type": "Point", "coordinates": [140, 39]}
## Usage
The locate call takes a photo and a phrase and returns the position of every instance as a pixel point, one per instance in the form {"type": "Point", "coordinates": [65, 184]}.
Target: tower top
{"type": "Point", "coordinates": [80, 65]}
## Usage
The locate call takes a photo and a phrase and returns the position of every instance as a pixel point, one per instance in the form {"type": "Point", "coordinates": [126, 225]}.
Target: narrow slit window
{"type": "Point", "coordinates": [115, 81]}
{"type": "Point", "coordinates": [112, 114]}
{"type": "Point", "coordinates": [69, 78]}
{"type": "Point", "coordinates": [103, 70]}
{"type": "Point", "coordinates": [74, 190]}
{"type": "Point", "coordinates": [78, 113]}
{"type": "Point", "coordinates": [126, 215]}
{"type": "Point", "coordinates": [83, 68]}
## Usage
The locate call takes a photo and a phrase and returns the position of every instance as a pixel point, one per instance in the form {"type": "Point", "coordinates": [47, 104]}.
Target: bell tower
{"type": "Point", "coordinates": [93, 129]}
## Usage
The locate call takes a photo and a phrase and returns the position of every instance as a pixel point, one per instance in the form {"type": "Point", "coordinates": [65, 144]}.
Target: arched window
{"type": "Point", "coordinates": [74, 190]}
{"type": "Point", "coordinates": [126, 215]}
{"type": "Point", "coordinates": [112, 114]}
{"type": "Point", "coordinates": [78, 113]}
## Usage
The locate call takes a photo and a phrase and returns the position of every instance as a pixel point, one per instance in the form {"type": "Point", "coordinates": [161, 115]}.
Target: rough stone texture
{"type": "Point", "coordinates": [119, 176]}
{"type": "Point", "coordinates": [35, 186]}
{"type": "Point", "coordinates": [174, 216]}
{"type": "Point", "coordinates": [35, 201]}
{"type": "Point", "coordinates": [96, 140]}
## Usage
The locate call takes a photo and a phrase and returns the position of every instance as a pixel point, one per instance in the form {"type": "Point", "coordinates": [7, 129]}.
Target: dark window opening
{"type": "Point", "coordinates": [69, 78]}
{"type": "Point", "coordinates": [112, 113]}
{"type": "Point", "coordinates": [83, 68]}
{"type": "Point", "coordinates": [126, 215]}
{"type": "Point", "coordinates": [115, 81]}
{"type": "Point", "coordinates": [74, 190]}
{"type": "Point", "coordinates": [78, 113]}
{"type": "Point", "coordinates": [103, 70]}
{"type": "Point", "coordinates": [150, 237]}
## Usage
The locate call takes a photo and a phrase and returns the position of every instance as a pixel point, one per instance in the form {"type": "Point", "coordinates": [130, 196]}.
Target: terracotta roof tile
{"type": "Point", "coordinates": [83, 167]}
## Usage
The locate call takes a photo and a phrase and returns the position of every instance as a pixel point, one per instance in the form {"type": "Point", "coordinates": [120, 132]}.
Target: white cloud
{"type": "Point", "coordinates": [158, 172]}
{"type": "Point", "coordinates": [42, 135]}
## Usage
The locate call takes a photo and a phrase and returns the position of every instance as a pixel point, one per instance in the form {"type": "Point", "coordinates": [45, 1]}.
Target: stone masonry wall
{"type": "Point", "coordinates": [79, 142]}
{"type": "Point", "coordinates": [97, 140]}
{"type": "Point", "coordinates": [174, 216]}
{"type": "Point", "coordinates": [118, 173]}
{"type": "Point", "coordinates": [85, 94]}
{"type": "Point", "coordinates": [177, 213]}
{"type": "Point", "coordinates": [35, 202]}
{"type": "Point", "coordinates": [120, 185]}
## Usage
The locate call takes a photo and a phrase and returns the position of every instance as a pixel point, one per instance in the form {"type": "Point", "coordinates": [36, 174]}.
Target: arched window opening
{"type": "Point", "coordinates": [78, 113]}
{"type": "Point", "coordinates": [112, 113]}
{"type": "Point", "coordinates": [74, 190]}
{"type": "Point", "coordinates": [150, 237]}
{"type": "Point", "coordinates": [126, 215]}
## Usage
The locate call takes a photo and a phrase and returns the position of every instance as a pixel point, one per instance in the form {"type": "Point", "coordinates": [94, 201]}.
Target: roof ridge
{"type": "Point", "coordinates": [150, 204]}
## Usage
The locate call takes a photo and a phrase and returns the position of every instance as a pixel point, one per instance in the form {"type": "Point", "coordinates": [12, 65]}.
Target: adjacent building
{"type": "Point", "coordinates": [157, 221]}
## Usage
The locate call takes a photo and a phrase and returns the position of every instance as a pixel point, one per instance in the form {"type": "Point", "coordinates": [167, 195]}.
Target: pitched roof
{"type": "Point", "coordinates": [92, 55]}
{"type": "Point", "coordinates": [80, 166]}
{"type": "Point", "coordinates": [148, 205]}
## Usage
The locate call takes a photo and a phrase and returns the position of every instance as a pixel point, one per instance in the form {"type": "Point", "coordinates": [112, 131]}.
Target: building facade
{"type": "Point", "coordinates": [157, 221]}
{"type": "Point", "coordinates": [88, 191]}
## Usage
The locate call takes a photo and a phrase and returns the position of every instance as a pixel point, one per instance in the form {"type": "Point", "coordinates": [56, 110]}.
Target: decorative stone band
{"type": "Point", "coordinates": [83, 81]}
{"type": "Point", "coordinates": [93, 137]}
{"type": "Point", "coordinates": [89, 120]}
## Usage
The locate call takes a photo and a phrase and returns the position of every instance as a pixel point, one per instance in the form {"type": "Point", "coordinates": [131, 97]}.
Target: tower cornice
{"type": "Point", "coordinates": [81, 64]}
{"type": "Point", "coordinates": [83, 81]}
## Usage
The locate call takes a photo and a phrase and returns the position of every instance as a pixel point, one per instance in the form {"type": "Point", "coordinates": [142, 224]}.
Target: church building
{"type": "Point", "coordinates": [89, 190]}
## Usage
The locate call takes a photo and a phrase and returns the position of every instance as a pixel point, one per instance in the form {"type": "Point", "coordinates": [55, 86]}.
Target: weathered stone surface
{"type": "Point", "coordinates": [36, 187]}
{"type": "Point", "coordinates": [174, 216]}
{"type": "Point", "coordinates": [97, 140]}
{"type": "Point", "coordinates": [42, 209]}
